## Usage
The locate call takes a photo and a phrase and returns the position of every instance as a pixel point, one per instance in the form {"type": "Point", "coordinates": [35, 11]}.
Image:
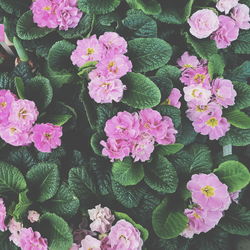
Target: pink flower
{"type": "Point", "coordinates": [32, 240]}
{"type": "Point", "coordinates": [235, 196]}
{"type": "Point", "coordinates": [226, 33]}
{"type": "Point", "coordinates": [224, 92]}
{"type": "Point", "coordinates": [88, 49]}
{"type": "Point", "coordinates": [90, 243]}
{"type": "Point", "coordinates": [105, 245]}
{"type": "Point", "coordinates": [106, 91]}
{"type": "Point", "coordinates": [2, 36]}
{"type": "Point", "coordinates": [46, 136]}
{"type": "Point", "coordinates": [123, 126]}
{"type": "Point", "coordinates": [200, 221]}
{"type": "Point", "coordinates": [124, 236]}
{"type": "Point", "coordinates": [209, 192]}
{"type": "Point", "coordinates": [15, 228]}
{"type": "Point", "coordinates": [240, 14]}
{"type": "Point", "coordinates": [203, 23]}
{"type": "Point", "coordinates": [33, 216]}
{"type": "Point", "coordinates": [67, 13]}
{"type": "Point", "coordinates": [6, 100]}
{"type": "Point", "coordinates": [197, 93]}
{"type": "Point", "coordinates": [114, 66]}
{"type": "Point", "coordinates": [113, 42]}
{"type": "Point", "coordinates": [174, 97]}
{"type": "Point", "coordinates": [23, 113]}
{"type": "Point", "coordinates": [44, 13]}
{"type": "Point", "coordinates": [102, 219]}
{"type": "Point", "coordinates": [2, 216]}
{"type": "Point", "coordinates": [187, 61]}
{"type": "Point", "coordinates": [74, 247]}
{"type": "Point", "coordinates": [116, 148]}
{"type": "Point", "coordinates": [226, 5]}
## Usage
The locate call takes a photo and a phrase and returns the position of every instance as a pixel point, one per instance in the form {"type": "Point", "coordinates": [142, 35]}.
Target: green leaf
{"type": "Point", "coordinates": [168, 224]}
{"type": "Point", "coordinates": [6, 82]}
{"type": "Point", "coordinates": [169, 71]}
{"type": "Point", "coordinates": [150, 7]}
{"type": "Point", "coordinates": [11, 179]}
{"type": "Point", "coordinates": [169, 149]}
{"type": "Point", "coordinates": [148, 54]}
{"type": "Point", "coordinates": [20, 87]}
{"type": "Point", "coordinates": [169, 16]}
{"type": "Point", "coordinates": [59, 120]}
{"type": "Point", "coordinates": [238, 118]}
{"type": "Point", "coordinates": [5, 242]}
{"type": "Point", "coordinates": [95, 143]}
{"type": "Point", "coordinates": [20, 50]}
{"type": "Point", "coordinates": [127, 173]}
{"type": "Point", "coordinates": [242, 99]}
{"type": "Point", "coordinates": [188, 10]}
{"type": "Point", "coordinates": [241, 73]}
{"type": "Point", "coordinates": [64, 203]}
{"type": "Point", "coordinates": [27, 30]}
{"type": "Point", "coordinates": [59, 55]}
{"type": "Point", "coordinates": [234, 174]}
{"type": "Point", "coordinates": [123, 216]}
{"type": "Point", "coordinates": [13, 7]}
{"type": "Point", "coordinates": [141, 91]}
{"type": "Point", "coordinates": [57, 232]}
{"type": "Point", "coordinates": [242, 44]}
{"type": "Point", "coordinates": [98, 6]}
{"type": "Point", "coordinates": [204, 48]}
{"type": "Point", "coordinates": [43, 180]}
{"type": "Point", "coordinates": [216, 66]}
{"type": "Point", "coordinates": [161, 175]}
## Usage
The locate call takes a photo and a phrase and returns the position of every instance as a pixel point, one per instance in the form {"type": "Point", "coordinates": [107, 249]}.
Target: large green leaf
{"type": "Point", "coordinates": [148, 54]}
{"type": "Point", "coordinates": [141, 91]}
{"type": "Point", "coordinates": [95, 143]}
{"type": "Point", "coordinates": [168, 224]}
{"type": "Point", "coordinates": [242, 99]}
{"type": "Point", "coordinates": [238, 118]}
{"type": "Point", "coordinates": [216, 66]}
{"type": "Point", "coordinates": [242, 44]}
{"type": "Point", "coordinates": [169, 149]}
{"type": "Point", "coordinates": [13, 7]}
{"type": "Point", "coordinates": [150, 7]}
{"type": "Point", "coordinates": [43, 180]}
{"type": "Point", "coordinates": [5, 242]}
{"type": "Point", "coordinates": [6, 82]}
{"type": "Point", "coordinates": [27, 30]}
{"type": "Point", "coordinates": [11, 179]}
{"type": "Point", "coordinates": [234, 174]}
{"type": "Point", "coordinates": [241, 73]}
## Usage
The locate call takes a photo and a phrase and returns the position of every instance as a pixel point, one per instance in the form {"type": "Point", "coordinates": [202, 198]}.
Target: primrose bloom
{"type": "Point", "coordinates": [209, 192]}
{"type": "Point", "coordinates": [2, 36]}
{"type": "Point", "coordinates": [235, 196]}
{"type": "Point", "coordinates": [174, 97]}
{"type": "Point", "coordinates": [240, 14]}
{"type": "Point", "coordinates": [226, 5]}
{"type": "Point", "coordinates": [2, 215]}
{"type": "Point", "coordinates": [33, 216]}
{"type": "Point", "coordinates": [88, 49]}
{"type": "Point", "coordinates": [15, 229]}
{"type": "Point", "coordinates": [74, 247]}
{"type": "Point", "coordinates": [186, 61]}
{"type": "Point", "coordinates": [90, 243]}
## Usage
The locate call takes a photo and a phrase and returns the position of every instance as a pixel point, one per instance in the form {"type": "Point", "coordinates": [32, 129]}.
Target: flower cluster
{"type": "Point", "coordinates": [136, 134]}
{"type": "Point", "coordinates": [223, 29]}
{"type": "Point", "coordinates": [121, 236]}
{"type": "Point", "coordinates": [173, 98]}
{"type": "Point", "coordinates": [205, 98]}
{"type": "Point", "coordinates": [56, 13]}
{"type": "Point", "coordinates": [17, 119]}
{"type": "Point", "coordinates": [105, 85]}
{"type": "Point", "coordinates": [211, 198]}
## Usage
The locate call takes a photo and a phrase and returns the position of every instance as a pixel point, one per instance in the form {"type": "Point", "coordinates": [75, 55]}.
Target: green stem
{"type": "Point", "coordinates": [20, 50]}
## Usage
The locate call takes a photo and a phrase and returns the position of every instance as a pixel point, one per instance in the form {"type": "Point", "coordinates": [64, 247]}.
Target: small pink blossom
{"type": "Point", "coordinates": [240, 14]}
{"type": "Point", "coordinates": [46, 137]}
{"type": "Point", "coordinates": [88, 49]}
{"type": "Point", "coordinates": [106, 244]}
{"type": "Point", "coordinates": [90, 243]}
{"type": "Point", "coordinates": [33, 216]}
{"type": "Point", "coordinates": [187, 61]}
{"type": "Point", "coordinates": [113, 42]}
{"type": "Point", "coordinates": [203, 23]}
{"type": "Point", "coordinates": [32, 240]}
{"type": "Point", "coordinates": [2, 216]}
{"type": "Point", "coordinates": [209, 192]}
{"type": "Point", "coordinates": [74, 247]}
{"type": "Point", "coordinates": [235, 196]}
{"type": "Point", "coordinates": [226, 5]}
{"type": "Point", "coordinates": [224, 91]}
{"type": "Point", "coordinates": [15, 229]}
{"type": "Point", "coordinates": [2, 35]}
{"type": "Point", "coordinates": [106, 91]}
{"type": "Point", "coordinates": [102, 219]}
{"type": "Point", "coordinates": [227, 32]}
{"type": "Point", "coordinates": [174, 98]}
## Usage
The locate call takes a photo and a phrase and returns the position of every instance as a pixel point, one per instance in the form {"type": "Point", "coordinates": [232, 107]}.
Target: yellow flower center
{"type": "Point", "coordinates": [22, 114]}
{"type": "Point", "coordinates": [187, 66]}
{"type": "Point", "coordinates": [208, 191]}
{"type": "Point", "coordinates": [212, 122]}
{"type": "Point", "coordinates": [47, 8]}
{"type": "Point", "coordinates": [122, 237]}
{"type": "Point", "coordinates": [105, 84]}
{"type": "Point", "coordinates": [197, 216]}
{"type": "Point", "coordinates": [90, 51]}
{"type": "Point", "coordinates": [194, 92]}
{"type": "Point", "coordinates": [199, 78]}
{"type": "Point", "coordinates": [3, 104]}
{"type": "Point", "coordinates": [47, 135]}
{"type": "Point", "coordinates": [200, 108]}
{"type": "Point", "coordinates": [12, 130]}
{"type": "Point", "coordinates": [146, 125]}
{"type": "Point", "coordinates": [111, 67]}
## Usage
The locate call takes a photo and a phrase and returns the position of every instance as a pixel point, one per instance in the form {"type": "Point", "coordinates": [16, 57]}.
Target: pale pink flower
{"type": "Point", "coordinates": [106, 91]}
{"type": "Point", "coordinates": [174, 98]}
{"type": "Point", "coordinates": [46, 136]}
{"type": "Point", "coordinates": [124, 236]}
{"type": "Point", "coordinates": [197, 93]}
{"type": "Point", "coordinates": [113, 42]}
{"type": "Point", "coordinates": [32, 240]}
{"type": "Point", "coordinates": [200, 221]}
{"type": "Point", "coordinates": [203, 23]}
{"type": "Point", "coordinates": [227, 32]}
{"type": "Point", "coordinates": [88, 49]}
{"type": "Point", "coordinates": [15, 228]}
{"type": "Point", "coordinates": [90, 243]}
{"type": "Point", "coordinates": [2, 34]}
{"type": "Point", "coordinates": [240, 14]}
{"type": "Point", "coordinates": [187, 61]}
{"type": "Point", "coordinates": [74, 247]}
{"type": "Point", "coordinates": [235, 196]}
{"type": "Point", "coordinates": [226, 5]}
{"type": "Point", "coordinates": [102, 219]}
{"type": "Point", "coordinates": [209, 192]}
{"type": "Point", "coordinates": [224, 91]}
{"type": "Point", "coordinates": [2, 216]}
{"type": "Point", "coordinates": [33, 216]}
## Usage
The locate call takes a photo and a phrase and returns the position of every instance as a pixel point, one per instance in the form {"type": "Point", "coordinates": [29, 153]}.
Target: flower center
{"type": "Point", "coordinates": [194, 92]}
{"type": "Point", "coordinates": [122, 237]}
{"type": "Point", "coordinates": [197, 216]}
{"type": "Point", "coordinates": [208, 191]}
{"type": "Point", "coordinates": [3, 104]}
{"type": "Point", "coordinates": [12, 130]}
{"type": "Point", "coordinates": [187, 66]}
{"type": "Point", "coordinates": [105, 84]}
{"type": "Point", "coordinates": [212, 122]}
{"type": "Point", "coordinates": [90, 51]}
{"type": "Point", "coordinates": [112, 68]}
{"type": "Point", "coordinates": [199, 78]}
{"type": "Point", "coordinates": [47, 136]}
{"type": "Point", "coordinates": [201, 108]}
{"type": "Point", "coordinates": [146, 125]}
{"type": "Point", "coordinates": [47, 8]}
{"type": "Point", "coordinates": [22, 113]}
